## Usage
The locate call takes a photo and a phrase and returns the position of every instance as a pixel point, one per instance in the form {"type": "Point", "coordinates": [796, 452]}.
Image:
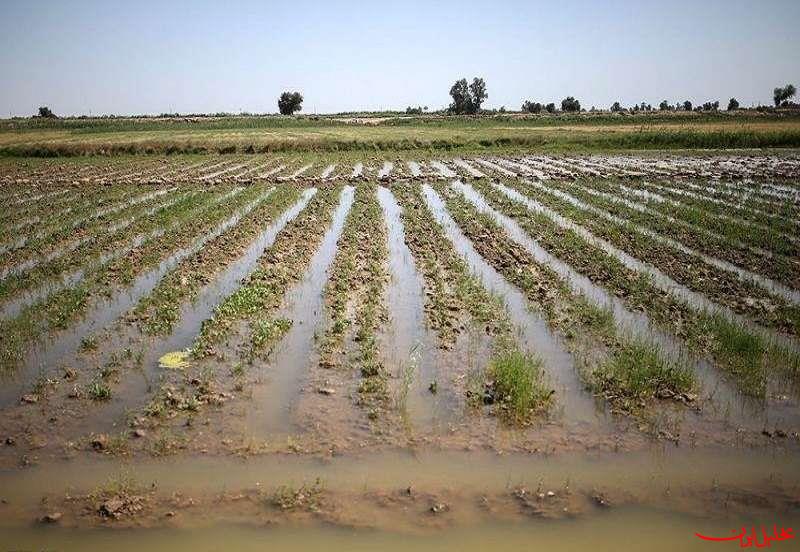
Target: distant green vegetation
{"type": "Point", "coordinates": [585, 131]}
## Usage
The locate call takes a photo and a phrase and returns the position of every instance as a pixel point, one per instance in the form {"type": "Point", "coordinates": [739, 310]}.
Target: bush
{"type": "Point", "coordinates": [616, 108]}
{"type": "Point", "coordinates": [550, 108]}
{"type": "Point", "coordinates": [687, 105]}
{"type": "Point", "coordinates": [289, 102]}
{"type": "Point", "coordinates": [733, 104]}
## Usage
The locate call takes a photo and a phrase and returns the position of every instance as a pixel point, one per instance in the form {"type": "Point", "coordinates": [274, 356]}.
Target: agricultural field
{"type": "Point", "coordinates": [459, 344]}
{"type": "Point", "coordinates": [559, 133]}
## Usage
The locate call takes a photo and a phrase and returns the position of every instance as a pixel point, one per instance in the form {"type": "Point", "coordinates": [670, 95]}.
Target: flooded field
{"type": "Point", "coordinates": [342, 352]}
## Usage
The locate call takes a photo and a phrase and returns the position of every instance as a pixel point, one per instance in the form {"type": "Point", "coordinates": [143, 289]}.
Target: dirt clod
{"type": "Point", "coordinates": [52, 517]}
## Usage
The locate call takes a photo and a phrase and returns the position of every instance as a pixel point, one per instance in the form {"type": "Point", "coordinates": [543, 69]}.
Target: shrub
{"type": "Point", "coordinates": [733, 104]}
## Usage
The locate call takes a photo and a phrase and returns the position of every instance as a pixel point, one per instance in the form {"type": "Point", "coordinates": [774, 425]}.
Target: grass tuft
{"type": "Point", "coordinates": [518, 384]}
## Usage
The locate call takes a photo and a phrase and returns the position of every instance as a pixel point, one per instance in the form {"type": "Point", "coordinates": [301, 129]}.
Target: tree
{"type": "Point", "coordinates": [467, 98]}
{"type": "Point", "coordinates": [664, 106]}
{"type": "Point", "coordinates": [45, 112]}
{"type": "Point", "coordinates": [531, 107]}
{"type": "Point", "coordinates": [462, 102]}
{"type": "Point", "coordinates": [570, 104]}
{"type": "Point", "coordinates": [687, 105]}
{"type": "Point", "coordinates": [781, 95]}
{"type": "Point", "coordinates": [550, 108]}
{"type": "Point", "coordinates": [289, 102]}
{"type": "Point", "coordinates": [415, 110]}
{"type": "Point", "coordinates": [478, 93]}
{"type": "Point", "coordinates": [616, 108]}
{"type": "Point", "coordinates": [733, 104]}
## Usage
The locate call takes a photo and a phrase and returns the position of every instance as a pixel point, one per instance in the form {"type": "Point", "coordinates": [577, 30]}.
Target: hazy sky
{"type": "Point", "coordinates": [151, 57]}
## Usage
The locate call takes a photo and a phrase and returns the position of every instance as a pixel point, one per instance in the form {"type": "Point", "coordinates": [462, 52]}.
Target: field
{"type": "Point", "coordinates": [583, 132]}
{"type": "Point", "coordinates": [398, 329]}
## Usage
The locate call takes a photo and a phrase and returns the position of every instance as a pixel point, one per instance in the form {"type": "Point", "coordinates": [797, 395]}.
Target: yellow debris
{"type": "Point", "coordinates": [176, 360]}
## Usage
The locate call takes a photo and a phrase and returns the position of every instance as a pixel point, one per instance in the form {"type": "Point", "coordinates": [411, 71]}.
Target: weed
{"type": "Point", "coordinates": [518, 384]}
{"type": "Point", "coordinates": [306, 497]}
{"type": "Point", "coordinates": [98, 390]}
{"type": "Point", "coordinates": [637, 371]}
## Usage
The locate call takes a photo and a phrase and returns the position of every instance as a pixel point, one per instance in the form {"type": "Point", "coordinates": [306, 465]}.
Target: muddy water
{"type": "Point", "coordinates": [386, 170]}
{"type": "Point", "coordinates": [791, 295]}
{"type": "Point", "coordinates": [414, 168]}
{"type": "Point", "coordinates": [411, 349]}
{"type": "Point", "coordinates": [663, 187]}
{"type": "Point", "coordinates": [358, 170]}
{"type": "Point", "coordinates": [274, 398]}
{"type": "Point", "coordinates": [105, 211]}
{"type": "Point", "coordinates": [298, 173]}
{"type": "Point", "coordinates": [442, 170]}
{"type": "Point", "coordinates": [47, 357]}
{"type": "Point", "coordinates": [495, 167]}
{"type": "Point", "coordinates": [469, 169]}
{"type": "Point", "coordinates": [626, 529]}
{"type": "Point", "coordinates": [577, 405]}
{"type": "Point", "coordinates": [695, 299]}
{"type": "Point", "coordinates": [12, 307]}
{"type": "Point", "coordinates": [271, 172]}
{"type": "Point", "coordinates": [192, 316]}
{"type": "Point", "coordinates": [328, 172]}
{"type": "Point", "coordinates": [724, 395]}
{"type": "Point", "coordinates": [666, 479]}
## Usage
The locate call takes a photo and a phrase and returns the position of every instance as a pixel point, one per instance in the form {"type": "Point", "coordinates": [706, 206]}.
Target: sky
{"type": "Point", "coordinates": [142, 57]}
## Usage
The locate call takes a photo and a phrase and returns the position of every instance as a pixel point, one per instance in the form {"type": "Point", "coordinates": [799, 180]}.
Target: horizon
{"type": "Point", "coordinates": [201, 58]}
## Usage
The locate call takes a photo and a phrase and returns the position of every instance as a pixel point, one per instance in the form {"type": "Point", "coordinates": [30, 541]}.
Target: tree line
{"type": "Point", "coordinates": [469, 96]}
